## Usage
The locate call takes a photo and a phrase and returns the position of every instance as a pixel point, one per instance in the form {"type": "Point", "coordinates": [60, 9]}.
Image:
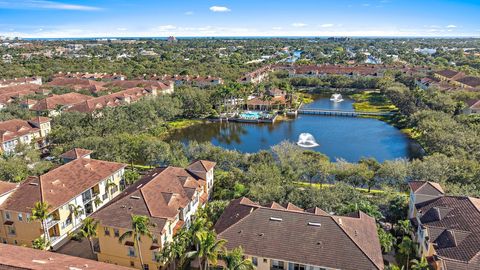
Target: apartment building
{"type": "Point", "coordinates": [55, 104]}
{"type": "Point", "coordinates": [287, 237]}
{"type": "Point", "coordinates": [457, 78]}
{"type": "Point", "coordinates": [447, 228]}
{"type": "Point", "coordinates": [15, 131]}
{"type": "Point", "coordinates": [84, 182]}
{"type": "Point", "coordinates": [20, 81]}
{"type": "Point", "coordinates": [169, 196]}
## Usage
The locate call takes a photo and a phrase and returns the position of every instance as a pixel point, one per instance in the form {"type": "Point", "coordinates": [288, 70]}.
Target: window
{"type": "Point", "coordinates": [7, 215]}
{"type": "Point", "coordinates": [107, 231]}
{"type": "Point", "coordinates": [146, 267]}
{"type": "Point", "coordinates": [104, 197]}
{"type": "Point", "coordinates": [279, 265]}
{"type": "Point", "coordinates": [255, 261]}
{"type": "Point", "coordinates": [116, 232]}
{"type": "Point", "coordinates": [131, 251]}
{"type": "Point", "coordinates": [11, 230]}
{"type": "Point", "coordinates": [132, 263]}
{"type": "Point", "coordinates": [155, 254]}
{"type": "Point", "coordinates": [15, 242]}
{"type": "Point", "coordinates": [28, 216]}
{"type": "Point", "coordinates": [20, 217]}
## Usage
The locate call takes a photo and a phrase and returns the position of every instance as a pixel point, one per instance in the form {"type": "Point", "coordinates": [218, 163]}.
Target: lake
{"type": "Point", "coordinates": [348, 138]}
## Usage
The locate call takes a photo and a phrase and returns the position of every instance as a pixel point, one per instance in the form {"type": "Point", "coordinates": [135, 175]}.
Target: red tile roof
{"type": "Point", "coordinates": [6, 187]}
{"type": "Point", "coordinates": [15, 128]}
{"type": "Point", "coordinates": [16, 257]}
{"type": "Point", "coordinates": [76, 153]}
{"type": "Point", "coordinates": [54, 101]}
{"type": "Point", "coordinates": [61, 184]}
{"type": "Point", "coordinates": [418, 186]}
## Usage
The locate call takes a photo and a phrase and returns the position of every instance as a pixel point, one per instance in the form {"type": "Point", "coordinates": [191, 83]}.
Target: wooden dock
{"type": "Point", "coordinates": [342, 113]}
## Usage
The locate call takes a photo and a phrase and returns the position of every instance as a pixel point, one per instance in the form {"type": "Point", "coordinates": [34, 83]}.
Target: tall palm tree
{"type": "Point", "coordinates": [108, 187]}
{"type": "Point", "coordinates": [406, 248]}
{"type": "Point", "coordinates": [141, 226]}
{"type": "Point", "coordinates": [421, 264]}
{"type": "Point", "coordinates": [88, 231]}
{"type": "Point", "coordinates": [235, 260]}
{"type": "Point", "coordinates": [175, 251]}
{"type": "Point", "coordinates": [40, 212]}
{"type": "Point", "coordinates": [209, 249]}
{"type": "Point", "coordinates": [75, 212]}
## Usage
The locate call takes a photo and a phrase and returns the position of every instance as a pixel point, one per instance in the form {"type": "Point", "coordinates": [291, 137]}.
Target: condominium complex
{"type": "Point", "coordinates": [168, 196]}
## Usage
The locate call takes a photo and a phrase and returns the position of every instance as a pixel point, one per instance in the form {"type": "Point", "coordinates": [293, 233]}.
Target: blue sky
{"type": "Point", "coordinates": [116, 18]}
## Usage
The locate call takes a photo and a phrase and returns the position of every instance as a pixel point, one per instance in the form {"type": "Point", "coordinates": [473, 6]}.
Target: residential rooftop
{"type": "Point", "coordinates": [312, 237]}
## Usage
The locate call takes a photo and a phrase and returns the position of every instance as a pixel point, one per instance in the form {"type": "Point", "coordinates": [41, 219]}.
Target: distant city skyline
{"type": "Point", "coordinates": [205, 18]}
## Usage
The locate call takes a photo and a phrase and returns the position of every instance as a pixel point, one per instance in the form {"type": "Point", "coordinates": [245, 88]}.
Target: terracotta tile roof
{"type": "Point", "coordinates": [6, 187]}
{"type": "Point", "coordinates": [150, 84]}
{"type": "Point", "coordinates": [301, 236]}
{"type": "Point", "coordinates": [15, 128]}
{"type": "Point", "coordinates": [160, 195]}
{"type": "Point", "coordinates": [470, 81]}
{"type": "Point", "coordinates": [112, 100]}
{"type": "Point", "coordinates": [448, 73]}
{"type": "Point", "coordinates": [54, 101]}
{"type": "Point", "coordinates": [17, 81]}
{"type": "Point", "coordinates": [200, 168]}
{"type": "Point", "coordinates": [274, 101]}
{"type": "Point", "coordinates": [16, 257]}
{"type": "Point", "coordinates": [61, 184]}
{"type": "Point", "coordinates": [473, 104]}
{"type": "Point", "coordinates": [76, 153]}
{"type": "Point", "coordinates": [453, 223]}
{"type": "Point", "coordinates": [78, 84]}
{"type": "Point", "coordinates": [426, 187]}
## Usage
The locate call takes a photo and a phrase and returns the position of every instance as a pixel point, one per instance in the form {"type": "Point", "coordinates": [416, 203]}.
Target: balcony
{"type": "Point", "coordinates": [52, 221]}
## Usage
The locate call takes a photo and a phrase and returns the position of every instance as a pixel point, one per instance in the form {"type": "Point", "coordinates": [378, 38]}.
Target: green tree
{"type": "Point", "coordinates": [421, 264]}
{"type": "Point", "coordinates": [40, 212]}
{"type": "Point", "coordinates": [235, 260]}
{"type": "Point", "coordinates": [406, 248]}
{"type": "Point", "coordinates": [141, 226]}
{"type": "Point", "coordinates": [75, 212]}
{"type": "Point", "coordinates": [40, 243]}
{"type": "Point", "coordinates": [88, 230]}
{"type": "Point", "coordinates": [386, 240]}
{"type": "Point", "coordinates": [208, 248]}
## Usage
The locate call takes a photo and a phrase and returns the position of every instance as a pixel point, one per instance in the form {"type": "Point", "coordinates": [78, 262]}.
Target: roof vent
{"type": "Point", "coordinates": [275, 219]}
{"type": "Point", "coordinates": [135, 197]}
{"type": "Point", "coordinates": [33, 184]}
{"type": "Point", "coordinates": [315, 224]}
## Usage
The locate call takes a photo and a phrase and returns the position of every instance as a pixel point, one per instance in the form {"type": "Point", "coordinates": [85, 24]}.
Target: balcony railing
{"type": "Point", "coordinates": [52, 221]}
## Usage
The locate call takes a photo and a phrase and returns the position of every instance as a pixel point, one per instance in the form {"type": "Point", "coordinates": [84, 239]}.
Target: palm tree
{"type": "Point", "coordinates": [209, 248]}
{"type": "Point", "coordinates": [234, 260]}
{"type": "Point", "coordinates": [175, 250]}
{"type": "Point", "coordinates": [88, 231]}
{"type": "Point", "coordinates": [421, 264]}
{"type": "Point", "coordinates": [405, 248]}
{"type": "Point", "coordinates": [75, 212]}
{"type": "Point", "coordinates": [403, 227]}
{"type": "Point", "coordinates": [40, 243]}
{"type": "Point", "coordinates": [108, 187]}
{"type": "Point", "coordinates": [141, 226]}
{"type": "Point", "coordinates": [40, 212]}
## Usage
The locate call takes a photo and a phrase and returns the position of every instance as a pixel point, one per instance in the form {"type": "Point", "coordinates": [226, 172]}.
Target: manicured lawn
{"type": "Point", "coordinates": [373, 191]}
{"type": "Point", "coordinates": [372, 101]}
{"type": "Point", "coordinates": [183, 123]}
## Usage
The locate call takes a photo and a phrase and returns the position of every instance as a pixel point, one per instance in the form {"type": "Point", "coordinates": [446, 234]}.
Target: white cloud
{"type": "Point", "coordinates": [277, 28]}
{"type": "Point", "coordinates": [299, 24]}
{"type": "Point", "coordinates": [451, 26]}
{"type": "Point", "coordinates": [189, 13]}
{"type": "Point", "coordinates": [326, 25]}
{"type": "Point", "coordinates": [122, 29]}
{"type": "Point", "coordinates": [167, 27]}
{"type": "Point", "coordinates": [40, 4]}
{"type": "Point", "coordinates": [220, 9]}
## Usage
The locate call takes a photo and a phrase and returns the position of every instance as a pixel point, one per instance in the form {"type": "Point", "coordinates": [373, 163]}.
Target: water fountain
{"type": "Point", "coordinates": [307, 140]}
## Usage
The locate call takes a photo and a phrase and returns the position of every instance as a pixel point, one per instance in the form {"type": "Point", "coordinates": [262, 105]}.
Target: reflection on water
{"type": "Point", "coordinates": [338, 137]}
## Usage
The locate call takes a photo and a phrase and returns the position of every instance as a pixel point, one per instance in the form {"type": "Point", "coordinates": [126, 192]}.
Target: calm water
{"type": "Point", "coordinates": [338, 137]}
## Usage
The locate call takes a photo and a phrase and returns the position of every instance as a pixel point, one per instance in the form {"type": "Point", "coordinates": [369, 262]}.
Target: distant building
{"type": "Point", "coordinates": [172, 39]}
{"type": "Point", "coordinates": [13, 132]}
{"type": "Point", "coordinates": [55, 104]}
{"type": "Point", "coordinates": [447, 228]}
{"type": "Point", "coordinates": [84, 182]}
{"type": "Point", "coordinates": [458, 79]}
{"type": "Point", "coordinates": [473, 107]}
{"type": "Point", "coordinates": [20, 81]}
{"type": "Point", "coordinates": [278, 236]}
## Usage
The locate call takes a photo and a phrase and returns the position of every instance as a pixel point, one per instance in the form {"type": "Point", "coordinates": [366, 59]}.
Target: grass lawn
{"type": "Point", "coordinates": [183, 123]}
{"type": "Point", "coordinates": [372, 101]}
{"type": "Point", "coordinates": [373, 191]}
